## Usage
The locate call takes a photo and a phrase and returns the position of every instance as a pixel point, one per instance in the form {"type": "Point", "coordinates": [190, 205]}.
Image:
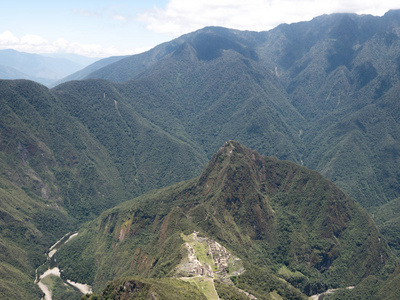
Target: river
{"type": "Point", "coordinates": [54, 270]}
{"type": "Point", "coordinates": [330, 291]}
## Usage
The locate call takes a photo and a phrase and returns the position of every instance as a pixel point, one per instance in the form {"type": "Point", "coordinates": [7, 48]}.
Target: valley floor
{"type": "Point", "coordinates": [46, 281]}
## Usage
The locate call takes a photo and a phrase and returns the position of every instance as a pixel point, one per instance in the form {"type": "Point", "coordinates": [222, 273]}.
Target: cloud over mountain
{"type": "Point", "coordinates": [180, 16]}
{"type": "Point", "coordinates": [37, 44]}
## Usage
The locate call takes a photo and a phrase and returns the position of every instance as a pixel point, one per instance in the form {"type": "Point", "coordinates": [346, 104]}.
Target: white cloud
{"type": "Point", "coordinates": [37, 44]}
{"type": "Point", "coordinates": [182, 16]}
{"type": "Point", "coordinates": [7, 38]}
{"type": "Point", "coordinates": [119, 18]}
{"type": "Point", "coordinates": [34, 40]}
{"type": "Point", "coordinates": [26, 43]}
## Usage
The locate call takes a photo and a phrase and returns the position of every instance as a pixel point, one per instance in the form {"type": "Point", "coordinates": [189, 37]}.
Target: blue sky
{"type": "Point", "coordinates": [100, 28]}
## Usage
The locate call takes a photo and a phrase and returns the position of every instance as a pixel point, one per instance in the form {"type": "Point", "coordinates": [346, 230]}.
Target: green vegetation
{"type": "Point", "coordinates": [263, 284]}
{"type": "Point", "coordinates": [140, 288]}
{"type": "Point", "coordinates": [226, 292]}
{"type": "Point", "coordinates": [57, 173]}
{"type": "Point", "coordinates": [205, 286]}
{"type": "Point", "coordinates": [371, 289]}
{"type": "Point", "coordinates": [286, 249]}
{"type": "Point", "coordinates": [325, 97]}
{"type": "Point", "coordinates": [14, 283]}
{"type": "Point", "coordinates": [146, 233]}
{"type": "Point", "coordinates": [322, 93]}
{"type": "Point", "coordinates": [387, 219]}
{"type": "Point", "coordinates": [59, 290]}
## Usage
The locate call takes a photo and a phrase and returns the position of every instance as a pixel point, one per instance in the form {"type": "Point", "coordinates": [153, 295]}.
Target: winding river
{"type": "Point", "coordinates": [54, 270]}
{"type": "Point", "coordinates": [330, 291]}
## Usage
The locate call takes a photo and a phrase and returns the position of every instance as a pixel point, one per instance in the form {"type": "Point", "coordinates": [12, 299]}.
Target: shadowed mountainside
{"type": "Point", "coordinates": [321, 92]}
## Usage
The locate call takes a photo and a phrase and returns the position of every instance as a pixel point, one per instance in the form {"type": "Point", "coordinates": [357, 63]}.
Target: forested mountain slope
{"type": "Point", "coordinates": [281, 219]}
{"type": "Point", "coordinates": [316, 92]}
{"type": "Point", "coordinates": [81, 74]}
{"type": "Point", "coordinates": [323, 94]}
{"type": "Point", "coordinates": [64, 164]}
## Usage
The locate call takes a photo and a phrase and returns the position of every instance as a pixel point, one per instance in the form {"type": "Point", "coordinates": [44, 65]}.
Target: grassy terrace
{"type": "Point", "coordinates": [201, 250]}
{"type": "Point", "coordinates": [205, 285]}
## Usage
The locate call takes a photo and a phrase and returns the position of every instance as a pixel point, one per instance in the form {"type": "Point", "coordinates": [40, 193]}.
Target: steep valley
{"type": "Point", "coordinates": [129, 154]}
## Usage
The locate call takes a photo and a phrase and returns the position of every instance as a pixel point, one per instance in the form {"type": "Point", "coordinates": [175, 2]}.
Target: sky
{"type": "Point", "coordinates": [100, 28]}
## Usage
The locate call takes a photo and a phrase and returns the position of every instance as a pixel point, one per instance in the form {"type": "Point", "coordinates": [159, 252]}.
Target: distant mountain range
{"type": "Point", "coordinates": [322, 94]}
{"type": "Point", "coordinates": [83, 73]}
{"type": "Point", "coordinates": [45, 69]}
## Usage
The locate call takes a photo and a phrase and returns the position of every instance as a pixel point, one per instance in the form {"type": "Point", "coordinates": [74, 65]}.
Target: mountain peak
{"type": "Point", "coordinates": [232, 164]}
{"type": "Point", "coordinates": [233, 183]}
{"type": "Point", "coordinates": [231, 151]}
{"type": "Point", "coordinates": [267, 211]}
{"type": "Point", "coordinates": [229, 146]}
